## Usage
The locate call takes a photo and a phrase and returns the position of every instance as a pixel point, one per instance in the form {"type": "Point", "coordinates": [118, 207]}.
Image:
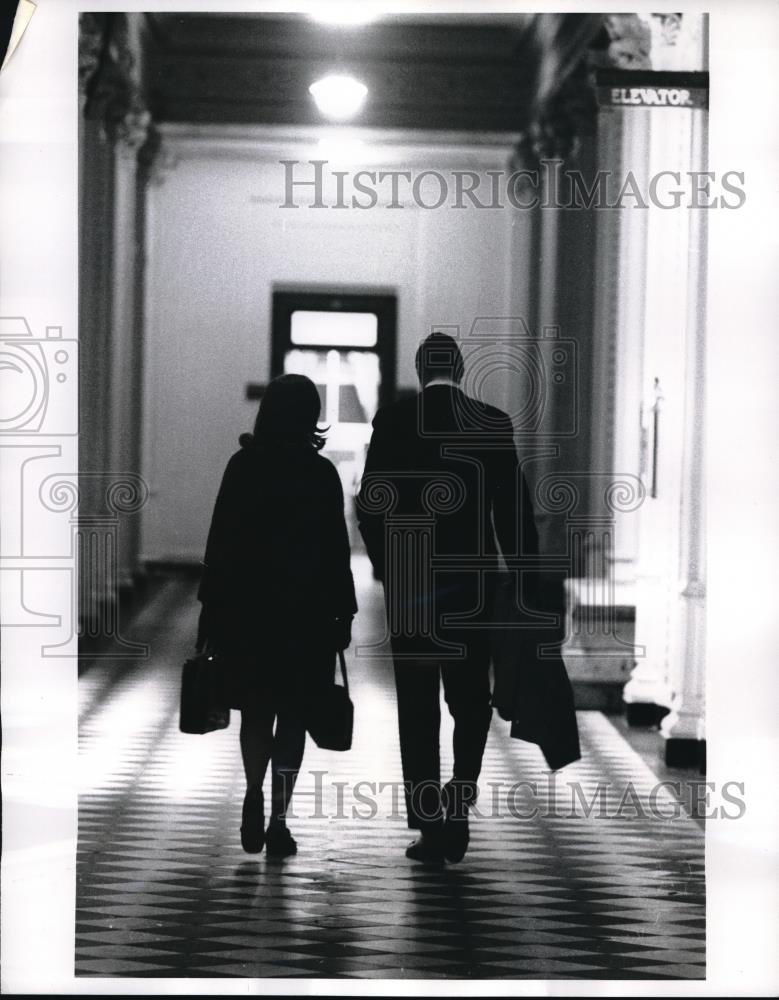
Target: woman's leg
{"type": "Point", "coordinates": [256, 742]}
{"type": "Point", "coordinates": [289, 743]}
{"type": "Point", "coordinates": [256, 748]}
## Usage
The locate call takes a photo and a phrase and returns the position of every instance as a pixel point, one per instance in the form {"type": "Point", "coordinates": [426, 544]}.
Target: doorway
{"type": "Point", "coordinates": [345, 343]}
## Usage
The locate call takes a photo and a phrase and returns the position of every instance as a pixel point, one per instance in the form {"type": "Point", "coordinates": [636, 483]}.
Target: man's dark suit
{"type": "Point", "coordinates": [441, 481]}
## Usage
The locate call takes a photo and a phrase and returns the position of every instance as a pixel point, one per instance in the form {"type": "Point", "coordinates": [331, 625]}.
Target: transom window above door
{"type": "Point", "coordinates": [312, 328]}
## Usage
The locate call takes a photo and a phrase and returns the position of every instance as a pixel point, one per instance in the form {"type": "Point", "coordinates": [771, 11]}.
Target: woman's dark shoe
{"type": "Point", "coordinates": [279, 842]}
{"type": "Point", "coordinates": [253, 821]}
{"type": "Point", "coordinates": [427, 849]}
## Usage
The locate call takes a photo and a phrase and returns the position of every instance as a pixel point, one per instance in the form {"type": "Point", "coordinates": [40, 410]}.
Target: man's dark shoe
{"type": "Point", "coordinates": [253, 821]}
{"type": "Point", "coordinates": [456, 837]}
{"type": "Point", "coordinates": [458, 796]}
{"type": "Point", "coordinates": [427, 849]}
{"type": "Point", "coordinates": [279, 842]}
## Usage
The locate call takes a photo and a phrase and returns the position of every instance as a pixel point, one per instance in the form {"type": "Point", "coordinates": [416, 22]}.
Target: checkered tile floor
{"type": "Point", "coordinates": [164, 889]}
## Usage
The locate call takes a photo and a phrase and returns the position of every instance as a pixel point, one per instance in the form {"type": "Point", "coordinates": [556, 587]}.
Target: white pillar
{"type": "Point", "coordinates": [664, 412]}
{"type": "Point", "coordinates": [686, 719]}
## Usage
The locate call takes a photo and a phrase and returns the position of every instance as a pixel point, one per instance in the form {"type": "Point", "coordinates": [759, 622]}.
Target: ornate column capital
{"type": "Point", "coordinates": [132, 132]}
{"type": "Point", "coordinates": [158, 158]}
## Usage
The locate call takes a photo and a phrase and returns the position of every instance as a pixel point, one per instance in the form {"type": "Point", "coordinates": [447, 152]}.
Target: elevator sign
{"type": "Point", "coordinates": [638, 90]}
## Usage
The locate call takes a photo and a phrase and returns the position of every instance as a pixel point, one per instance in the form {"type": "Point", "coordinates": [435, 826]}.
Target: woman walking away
{"type": "Point", "coordinates": [277, 594]}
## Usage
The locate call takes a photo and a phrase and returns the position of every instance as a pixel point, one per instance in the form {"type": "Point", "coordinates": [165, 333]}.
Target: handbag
{"type": "Point", "coordinates": [202, 708]}
{"type": "Point", "coordinates": [331, 715]}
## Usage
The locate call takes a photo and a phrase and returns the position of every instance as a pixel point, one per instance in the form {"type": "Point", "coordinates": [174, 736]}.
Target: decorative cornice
{"type": "Point", "coordinates": [109, 80]}
{"type": "Point", "coordinates": [92, 31]}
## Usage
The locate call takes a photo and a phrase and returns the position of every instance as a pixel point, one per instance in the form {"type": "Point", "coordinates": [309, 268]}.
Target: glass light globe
{"type": "Point", "coordinates": [339, 97]}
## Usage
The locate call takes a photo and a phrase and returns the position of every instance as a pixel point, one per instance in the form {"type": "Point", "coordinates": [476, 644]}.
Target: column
{"type": "Point", "coordinates": [649, 692]}
{"type": "Point", "coordinates": [683, 729]}
{"type": "Point", "coordinates": [126, 324]}
{"type": "Point", "coordinates": [115, 124]}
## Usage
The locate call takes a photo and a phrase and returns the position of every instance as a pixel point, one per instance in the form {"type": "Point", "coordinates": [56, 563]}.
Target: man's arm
{"type": "Point", "coordinates": [342, 600]}
{"type": "Point", "coordinates": [512, 507]}
{"type": "Point", "coordinates": [370, 511]}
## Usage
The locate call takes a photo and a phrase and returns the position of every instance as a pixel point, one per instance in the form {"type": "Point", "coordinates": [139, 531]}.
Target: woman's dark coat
{"type": "Point", "coordinates": [277, 571]}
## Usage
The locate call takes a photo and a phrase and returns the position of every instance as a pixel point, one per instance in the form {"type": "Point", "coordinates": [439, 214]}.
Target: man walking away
{"type": "Point", "coordinates": [442, 488]}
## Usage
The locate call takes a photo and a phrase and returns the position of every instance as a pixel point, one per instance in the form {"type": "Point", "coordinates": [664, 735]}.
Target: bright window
{"type": "Point", "coordinates": [333, 329]}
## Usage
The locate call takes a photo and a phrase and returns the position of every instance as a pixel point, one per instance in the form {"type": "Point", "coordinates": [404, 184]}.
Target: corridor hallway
{"type": "Point", "coordinates": [164, 889]}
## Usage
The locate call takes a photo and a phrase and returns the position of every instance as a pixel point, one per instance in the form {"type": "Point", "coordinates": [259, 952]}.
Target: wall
{"type": "Point", "coordinates": [218, 244]}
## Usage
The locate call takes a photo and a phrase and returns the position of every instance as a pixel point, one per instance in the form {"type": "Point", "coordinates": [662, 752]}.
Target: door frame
{"type": "Point", "coordinates": [383, 305]}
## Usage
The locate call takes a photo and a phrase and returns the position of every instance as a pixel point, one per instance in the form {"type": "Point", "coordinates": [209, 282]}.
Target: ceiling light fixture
{"type": "Point", "coordinates": [339, 97]}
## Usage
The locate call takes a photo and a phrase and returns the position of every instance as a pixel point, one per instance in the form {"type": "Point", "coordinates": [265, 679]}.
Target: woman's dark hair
{"type": "Point", "coordinates": [289, 413]}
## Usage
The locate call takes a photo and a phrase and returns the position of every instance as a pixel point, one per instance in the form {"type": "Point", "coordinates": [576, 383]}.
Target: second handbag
{"type": "Point", "coordinates": [330, 718]}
